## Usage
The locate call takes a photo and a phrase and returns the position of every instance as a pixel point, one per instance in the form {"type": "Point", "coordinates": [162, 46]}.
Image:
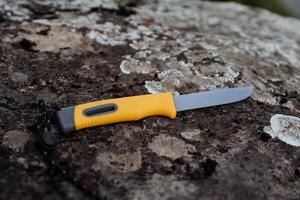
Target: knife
{"type": "Point", "coordinates": [134, 108]}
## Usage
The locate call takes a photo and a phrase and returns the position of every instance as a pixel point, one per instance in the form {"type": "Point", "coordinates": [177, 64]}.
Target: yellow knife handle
{"type": "Point", "coordinates": [115, 110]}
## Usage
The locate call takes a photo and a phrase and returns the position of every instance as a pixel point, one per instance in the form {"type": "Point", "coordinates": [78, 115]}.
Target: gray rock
{"type": "Point", "coordinates": [19, 77]}
{"type": "Point", "coordinates": [75, 52]}
{"type": "Point", "coordinates": [15, 140]}
{"type": "Point", "coordinates": [46, 95]}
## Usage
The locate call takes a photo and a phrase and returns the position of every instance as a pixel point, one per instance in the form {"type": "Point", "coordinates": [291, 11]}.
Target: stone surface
{"type": "Point", "coordinates": [15, 140]}
{"type": "Point", "coordinates": [19, 77]}
{"type": "Point", "coordinates": [72, 52]}
{"type": "Point", "coordinates": [127, 162]}
{"type": "Point", "coordinates": [170, 147]}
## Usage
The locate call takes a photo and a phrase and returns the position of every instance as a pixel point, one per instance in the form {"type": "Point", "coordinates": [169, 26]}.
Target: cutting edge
{"type": "Point", "coordinates": [211, 98]}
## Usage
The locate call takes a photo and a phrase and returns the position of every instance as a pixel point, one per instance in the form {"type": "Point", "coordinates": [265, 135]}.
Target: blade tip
{"type": "Point", "coordinates": [249, 91]}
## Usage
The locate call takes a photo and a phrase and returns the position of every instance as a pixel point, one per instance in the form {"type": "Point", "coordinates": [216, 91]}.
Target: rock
{"type": "Point", "coordinates": [79, 51]}
{"type": "Point", "coordinates": [46, 95]}
{"type": "Point", "coordinates": [171, 147]}
{"type": "Point", "coordinates": [19, 77]}
{"type": "Point", "coordinates": [15, 140]}
{"type": "Point", "coordinates": [200, 46]}
{"type": "Point", "coordinates": [164, 187]}
{"type": "Point", "coordinates": [22, 161]}
{"type": "Point", "coordinates": [86, 72]}
{"type": "Point", "coordinates": [154, 87]}
{"type": "Point", "coordinates": [23, 10]}
{"type": "Point", "coordinates": [285, 128]}
{"type": "Point", "coordinates": [57, 38]}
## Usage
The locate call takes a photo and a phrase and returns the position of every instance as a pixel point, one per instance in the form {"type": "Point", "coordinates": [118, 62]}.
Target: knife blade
{"type": "Point", "coordinates": [134, 108]}
{"type": "Point", "coordinates": [211, 98]}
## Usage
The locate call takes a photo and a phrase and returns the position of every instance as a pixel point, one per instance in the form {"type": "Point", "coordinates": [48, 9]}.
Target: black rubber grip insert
{"type": "Point", "coordinates": [100, 110]}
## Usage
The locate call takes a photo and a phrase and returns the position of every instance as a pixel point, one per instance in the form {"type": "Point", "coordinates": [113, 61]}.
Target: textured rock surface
{"type": "Point", "coordinates": [15, 140]}
{"type": "Point", "coordinates": [64, 54]}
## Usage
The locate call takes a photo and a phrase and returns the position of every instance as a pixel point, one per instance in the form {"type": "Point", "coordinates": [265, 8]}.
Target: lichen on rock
{"type": "Point", "coordinates": [213, 55]}
{"type": "Point", "coordinates": [192, 135]}
{"type": "Point", "coordinates": [285, 128]}
{"type": "Point", "coordinates": [186, 44]}
{"type": "Point", "coordinates": [25, 9]}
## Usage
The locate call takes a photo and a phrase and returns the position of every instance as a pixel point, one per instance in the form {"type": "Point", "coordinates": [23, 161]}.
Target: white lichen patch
{"type": "Point", "coordinates": [135, 66]}
{"type": "Point", "coordinates": [85, 5]}
{"type": "Point", "coordinates": [127, 162]}
{"type": "Point", "coordinates": [171, 147]}
{"type": "Point", "coordinates": [171, 76]}
{"type": "Point", "coordinates": [154, 87]}
{"type": "Point", "coordinates": [24, 9]}
{"type": "Point", "coordinates": [106, 33]}
{"type": "Point", "coordinates": [73, 20]}
{"type": "Point", "coordinates": [15, 140]}
{"type": "Point", "coordinates": [192, 135]}
{"type": "Point", "coordinates": [285, 128]}
{"type": "Point", "coordinates": [111, 34]}
{"type": "Point", "coordinates": [15, 10]}
{"type": "Point", "coordinates": [173, 79]}
{"type": "Point", "coordinates": [105, 39]}
{"type": "Point", "coordinates": [265, 97]}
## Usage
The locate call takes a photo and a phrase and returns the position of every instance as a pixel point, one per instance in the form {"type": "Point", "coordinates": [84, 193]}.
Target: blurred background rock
{"type": "Point", "coordinates": [289, 8]}
{"type": "Point", "coordinates": [284, 7]}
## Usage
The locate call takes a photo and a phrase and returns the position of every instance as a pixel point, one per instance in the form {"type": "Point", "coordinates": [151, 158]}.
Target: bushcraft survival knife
{"type": "Point", "coordinates": [134, 108]}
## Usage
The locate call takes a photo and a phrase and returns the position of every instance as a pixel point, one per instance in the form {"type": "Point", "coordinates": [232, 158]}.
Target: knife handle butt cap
{"type": "Point", "coordinates": [117, 110]}
{"type": "Point", "coordinates": [65, 119]}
